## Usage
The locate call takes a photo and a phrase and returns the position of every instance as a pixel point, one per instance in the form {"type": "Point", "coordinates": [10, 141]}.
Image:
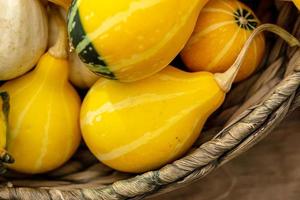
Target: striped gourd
{"type": "Point", "coordinates": [127, 39]}
{"type": "Point", "coordinates": [43, 122]}
{"type": "Point", "coordinates": [222, 29]}
{"type": "Point", "coordinates": [140, 126]}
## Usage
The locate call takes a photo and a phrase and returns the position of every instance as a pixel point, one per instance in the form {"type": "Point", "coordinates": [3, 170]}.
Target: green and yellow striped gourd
{"type": "Point", "coordinates": [129, 40]}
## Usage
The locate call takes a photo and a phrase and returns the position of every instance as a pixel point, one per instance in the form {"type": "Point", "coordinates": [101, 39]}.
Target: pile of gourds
{"type": "Point", "coordinates": [139, 112]}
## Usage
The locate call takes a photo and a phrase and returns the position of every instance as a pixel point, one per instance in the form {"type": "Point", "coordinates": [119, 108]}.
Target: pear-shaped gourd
{"type": "Point", "coordinates": [136, 127]}
{"type": "Point", "coordinates": [43, 122]}
{"type": "Point", "coordinates": [129, 40]}
{"type": "Point", "coordinates": [24, 33]}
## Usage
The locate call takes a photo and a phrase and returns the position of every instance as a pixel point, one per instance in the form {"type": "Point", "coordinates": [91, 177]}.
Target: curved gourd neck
{"type": "Point", "coordinates": [59, 50]}
{"type": "Point", "coordinates": [226, 79]}
{"type": "Point", "coordinates": [53, 65]}
{"type": "Point", "coordinates": [52, 69]}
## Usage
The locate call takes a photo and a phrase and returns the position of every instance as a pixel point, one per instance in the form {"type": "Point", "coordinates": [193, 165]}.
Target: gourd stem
{"type": "Point", "coordinates": [59, 50]}
{"type": "Point", "coordinates": [226, 79]}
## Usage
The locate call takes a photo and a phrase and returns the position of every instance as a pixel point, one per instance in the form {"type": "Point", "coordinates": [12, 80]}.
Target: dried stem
{"type": "Point", "coordinates": [226, 79]}
{"type": "Point", "coordinates": [59, 50]}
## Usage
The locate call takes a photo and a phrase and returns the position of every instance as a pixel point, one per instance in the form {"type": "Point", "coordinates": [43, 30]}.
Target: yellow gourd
{"type": "Point", "coordinates": [140, 126]}
{"type": "Point", "coordinates": [129, 40]}
{"type": "Point", "coordinates": [4, 109]}
{"type": "Point", "coordinates": [63, 3]}
{"type": "Point", "coordinates": [222, 29]}
{"type": "Point", "coordinates": [43, 122]}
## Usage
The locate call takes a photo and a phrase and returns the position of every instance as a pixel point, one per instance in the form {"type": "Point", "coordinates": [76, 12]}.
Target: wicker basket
{"type": "Point", "coordinates": [252, 110]}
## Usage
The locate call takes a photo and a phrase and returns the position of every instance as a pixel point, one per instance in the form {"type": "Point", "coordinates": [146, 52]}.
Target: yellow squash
{"type": "Point", "coordinates": [136, 127]}
{"type": "Point", "coordinates": [222, 29]}
{"type": "Point", "coordinates": [139, 126]}
{"type": "Point", "coordinates": [43, 122]}
{"type": "Point", "coordinates": [129, 40]}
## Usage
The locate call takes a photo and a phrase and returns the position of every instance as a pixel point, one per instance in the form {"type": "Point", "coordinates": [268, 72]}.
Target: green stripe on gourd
{"type": "Point", "coordinates": [85, 50]}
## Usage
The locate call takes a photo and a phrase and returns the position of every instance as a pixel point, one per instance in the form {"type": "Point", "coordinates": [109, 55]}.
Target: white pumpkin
{"type": "Point", "coordinates": [24, 36]}
{"type": "Point", "coordinates": [80, 75]}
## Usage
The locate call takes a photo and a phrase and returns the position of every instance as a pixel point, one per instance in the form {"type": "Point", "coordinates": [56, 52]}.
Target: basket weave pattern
{"type": "Point", "coordinates": [252, 110]}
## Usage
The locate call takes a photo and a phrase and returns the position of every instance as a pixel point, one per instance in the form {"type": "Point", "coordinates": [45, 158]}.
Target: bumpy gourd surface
{"type": "Point", "coordinates": [222, 29]}
{"type": "Point", "coordinates": [140, 126]}
{"type": "Point", "coordinates": [43, 120]}
{"type": "Point", "coordinates": [129, 39]}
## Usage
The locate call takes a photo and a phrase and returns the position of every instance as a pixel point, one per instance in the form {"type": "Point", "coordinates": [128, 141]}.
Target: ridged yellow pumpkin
{"type": "Point", "coordinates": [222, 29]}
{"type": "Point", "coordinates": [43, 122]}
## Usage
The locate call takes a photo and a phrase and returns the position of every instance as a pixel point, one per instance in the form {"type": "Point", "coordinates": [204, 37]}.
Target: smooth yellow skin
{"type": "Point", "coordinates": [141, 126]}
{"type": "Point", "coordinates": [217, 40]}
{"type": "Point", "coordinates": [63, 3]}
{"type": "Point", "coordinates": [43, 119]}
{"type": "Point", "coordinates": [297, 3]}
{"type": "Point", "coordinates": [152, 32]}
